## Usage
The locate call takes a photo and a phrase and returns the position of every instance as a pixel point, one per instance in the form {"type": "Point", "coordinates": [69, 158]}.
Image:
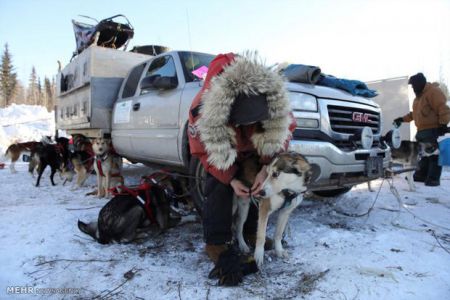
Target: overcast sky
{"type": "Point", "coordinates": [359, 39]}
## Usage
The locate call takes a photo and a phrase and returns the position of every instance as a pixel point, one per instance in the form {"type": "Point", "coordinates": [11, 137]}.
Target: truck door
{"type": "Point", "coordinates": [155, 114]}
{"type": "Point", "coordinates": [122, 124]}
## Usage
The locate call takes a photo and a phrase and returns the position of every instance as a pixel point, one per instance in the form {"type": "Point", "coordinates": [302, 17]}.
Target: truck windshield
{"type": "Point", "coordinates": [192, 61]}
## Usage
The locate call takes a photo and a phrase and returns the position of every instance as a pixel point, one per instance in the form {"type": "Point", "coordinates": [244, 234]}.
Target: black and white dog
{"type": "Point", "coordinates": [53, 155]}
{"type": "Point", "coordinates": [123, 217]}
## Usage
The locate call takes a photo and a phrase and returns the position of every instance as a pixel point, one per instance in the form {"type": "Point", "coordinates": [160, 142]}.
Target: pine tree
{"type": "Point", "coordinates": [48, 94]}
{"type": "Point", "coordinates": [19, 94]}
{"type": "Point", "coordinates": [40, 100]}
{"type": "Point", "coordinates": [32, 93]}
{"type": "Point", "coordinates": [8, 79]}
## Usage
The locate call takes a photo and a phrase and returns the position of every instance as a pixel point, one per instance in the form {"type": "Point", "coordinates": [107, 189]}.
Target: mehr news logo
{"type": "Point", "coordinates": [40, 291]}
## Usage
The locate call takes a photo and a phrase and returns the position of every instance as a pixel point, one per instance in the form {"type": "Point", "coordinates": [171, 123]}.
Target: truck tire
{"type": "Point", "coordinates": [197, 183]}
{"type": "Point", "coordinates": [332, 193]}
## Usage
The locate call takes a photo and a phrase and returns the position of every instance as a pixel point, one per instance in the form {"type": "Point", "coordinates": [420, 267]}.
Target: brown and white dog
{"type": "Point", "coordinates": [13, 152]}
{"type": "Point", "coordinates": [107, 165]}
{"type": "Point", "coordinates": [288, 175]}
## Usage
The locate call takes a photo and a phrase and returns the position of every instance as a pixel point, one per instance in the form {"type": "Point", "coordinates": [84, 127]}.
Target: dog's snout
{"type": "Point", "coordinates": [262, 193]}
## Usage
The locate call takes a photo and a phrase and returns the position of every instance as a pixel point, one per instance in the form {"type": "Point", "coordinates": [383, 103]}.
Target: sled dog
{"type": "Point", "coordinates": [121, 220]}
{"type": "Point", "coordinates": [107, 165]}
{"type": "Point", "coordinates": [288, 175]}
{"type": "Point", "coordinates": [14, 150]}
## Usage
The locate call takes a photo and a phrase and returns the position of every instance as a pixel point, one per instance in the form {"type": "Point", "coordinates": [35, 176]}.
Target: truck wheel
{"type": "Point", "coordinates": [197, 183]}
{"type": "Point", "coordinates": [333, 193]}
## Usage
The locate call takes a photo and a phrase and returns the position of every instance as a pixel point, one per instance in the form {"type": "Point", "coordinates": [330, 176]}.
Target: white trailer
{"type": "Point", "coordinates": [86, 89]}
{"type": "Point", "coordinates": [395, 99]}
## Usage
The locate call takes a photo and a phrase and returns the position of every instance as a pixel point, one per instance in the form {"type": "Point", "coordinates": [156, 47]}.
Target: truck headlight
{"type": "Point", "coordinates": [301, 101]}
{"type": "Point", "coordinates": [307, 123]}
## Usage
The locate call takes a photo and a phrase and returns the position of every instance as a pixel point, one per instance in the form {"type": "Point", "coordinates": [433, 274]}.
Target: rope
{"type": "Point", "coordinates": [368, 211]}
{"type": "Point", "coordinates": [395, 192]}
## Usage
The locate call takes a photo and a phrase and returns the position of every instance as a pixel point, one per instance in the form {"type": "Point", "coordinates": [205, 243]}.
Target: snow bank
{"type": "Point", "coordinates": [22, 123]}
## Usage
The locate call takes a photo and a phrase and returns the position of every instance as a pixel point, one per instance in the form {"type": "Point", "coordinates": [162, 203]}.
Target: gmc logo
{"type": "Point", "coordinates": [360, 117]}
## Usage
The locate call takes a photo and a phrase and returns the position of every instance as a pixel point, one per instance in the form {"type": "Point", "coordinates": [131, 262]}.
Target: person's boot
{"type": "Point", "coordinates": [429, 182]}
{"type": "Point", "coordinates": [250, 239]}
{"type": "Point", "coordinates": [422, 170]}
{"type": "Point", "coordinates": [434, 172]}
{"type": "Point", "coordinates": [214, 251]}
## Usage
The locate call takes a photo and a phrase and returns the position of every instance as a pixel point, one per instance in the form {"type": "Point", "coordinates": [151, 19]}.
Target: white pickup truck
{"type": "Point", "coordinates": [143, 102]}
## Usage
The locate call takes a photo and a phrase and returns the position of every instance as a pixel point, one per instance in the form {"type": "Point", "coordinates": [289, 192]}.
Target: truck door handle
{"type": "Point", "coordinates": [136, 106]}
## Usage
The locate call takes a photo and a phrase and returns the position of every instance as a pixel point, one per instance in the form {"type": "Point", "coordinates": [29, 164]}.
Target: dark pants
{"type": "Point", "coordinates": [428, 168]}
{"type": "Point", "coordinates": [217, 213]}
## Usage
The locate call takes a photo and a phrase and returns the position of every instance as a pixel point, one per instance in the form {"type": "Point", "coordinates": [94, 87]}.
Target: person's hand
{"type": "Point", "coordinates": [442, 130]}
{"type": "Point", "coordinates": [397, 122]}
{"type": "Point", "coordinates": [239, 188]}
{"type": "Point", "coordinates": [259, 181]}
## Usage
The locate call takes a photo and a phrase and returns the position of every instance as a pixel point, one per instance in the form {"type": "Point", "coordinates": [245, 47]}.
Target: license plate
{"type": "Point", "coordinates": [374, 167]}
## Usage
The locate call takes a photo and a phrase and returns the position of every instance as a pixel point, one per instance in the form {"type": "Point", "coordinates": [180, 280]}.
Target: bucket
{"type": "Point", "coordinates": [444, 151]}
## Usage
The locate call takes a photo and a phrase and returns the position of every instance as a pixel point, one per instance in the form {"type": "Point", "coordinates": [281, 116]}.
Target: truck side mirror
{"type": "Point", "coordinates": [147, 82]}
{"type": "Point", "coordinates": [165, 83]}
{"type": "Point", "coordinates": [158, 82]}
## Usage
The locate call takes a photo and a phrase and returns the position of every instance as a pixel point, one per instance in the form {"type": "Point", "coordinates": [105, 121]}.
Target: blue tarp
{"type": "Point", "coordinates": [354, 87]}
{"type": "Point", "coordinates": [444, 152]}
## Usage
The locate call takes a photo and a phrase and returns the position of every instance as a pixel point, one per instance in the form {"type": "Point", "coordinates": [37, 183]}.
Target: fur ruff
{"type": "Point", "coordinates": [248, 75]}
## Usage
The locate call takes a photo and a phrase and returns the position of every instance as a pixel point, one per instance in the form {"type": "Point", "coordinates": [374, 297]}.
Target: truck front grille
{"type": "Point", "coordinates": [351, 120]}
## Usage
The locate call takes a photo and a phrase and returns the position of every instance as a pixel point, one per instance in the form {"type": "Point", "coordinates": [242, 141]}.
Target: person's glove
{"type": "Point", "coordinates": [231, 267]}
{"type": "Point", "coordinates": [442, 130]}
{"type": "Point", "coordinates": [397, 122]}
{"type": "Point", "coordinates": [248, 265]}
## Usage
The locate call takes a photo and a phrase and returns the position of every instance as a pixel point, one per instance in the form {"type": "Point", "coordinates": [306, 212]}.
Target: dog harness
{"type": "Point", "coordinates": [98, 160]}
{"type": "Point", "coordinates": [287, 194]}
{"type": "Point", "coordinates": [144, 186]}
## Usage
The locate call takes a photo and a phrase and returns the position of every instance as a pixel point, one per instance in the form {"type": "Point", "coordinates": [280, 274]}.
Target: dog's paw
{"type": "Point", "coordinates": [244, 248]}
{"type": "Point", "coordinates": [282, 253]}
{"type": "Point", "coordinates": [259, 256]}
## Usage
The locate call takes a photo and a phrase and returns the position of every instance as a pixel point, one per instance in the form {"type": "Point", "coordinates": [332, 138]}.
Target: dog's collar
{"type": "Point", "coordinates": [288, 196]}
{"type": "Point", "coordinates": [102, 157]}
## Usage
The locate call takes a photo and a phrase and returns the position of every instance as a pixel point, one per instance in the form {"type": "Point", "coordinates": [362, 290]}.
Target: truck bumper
{"type": "Point", "coordinates": [335, 168]}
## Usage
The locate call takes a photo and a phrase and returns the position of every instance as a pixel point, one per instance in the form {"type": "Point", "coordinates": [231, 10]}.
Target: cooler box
{"type": "Point", "coordinates": [444, 151]}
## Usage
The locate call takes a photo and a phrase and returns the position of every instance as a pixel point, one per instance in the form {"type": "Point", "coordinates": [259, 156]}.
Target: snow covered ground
{"type": "Point", "coordinates": [393, 252]}
{"type": "Point", "coordinates": [387, 254]}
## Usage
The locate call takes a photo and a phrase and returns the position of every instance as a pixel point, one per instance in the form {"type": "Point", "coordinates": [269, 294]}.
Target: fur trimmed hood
{"type": "Point", "coordinates": [244, 75]}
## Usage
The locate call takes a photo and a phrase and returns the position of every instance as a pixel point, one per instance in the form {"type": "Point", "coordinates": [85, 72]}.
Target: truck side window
{"type": "Point", "coordinates": [163, 67]}
{"type": "Point", "coordinates": [132, 82]}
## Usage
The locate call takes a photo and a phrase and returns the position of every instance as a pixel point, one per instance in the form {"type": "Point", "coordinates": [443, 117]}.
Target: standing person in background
{"type": "Point", "coordinates": [431, 115]}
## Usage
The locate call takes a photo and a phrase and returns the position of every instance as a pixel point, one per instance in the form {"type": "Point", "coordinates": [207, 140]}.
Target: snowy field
{"type": "Point", "coordinates": [399, 250]}
{"type": "Point", "coordinates": [387, 254]}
